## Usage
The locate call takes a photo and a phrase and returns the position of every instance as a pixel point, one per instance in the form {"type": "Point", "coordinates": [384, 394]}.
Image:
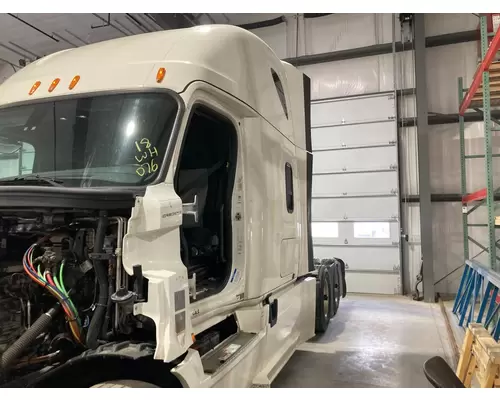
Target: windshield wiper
{"type": "Point", "coordinates": [31, 180]}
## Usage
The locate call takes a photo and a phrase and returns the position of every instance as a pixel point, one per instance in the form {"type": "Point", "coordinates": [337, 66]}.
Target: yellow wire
{"type": "Point", "coordinates": [75, 331]}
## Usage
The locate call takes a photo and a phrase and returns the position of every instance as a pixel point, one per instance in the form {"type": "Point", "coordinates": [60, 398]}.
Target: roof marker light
{"type": "Point", "coordinates": [34, 87]}
{"type": "Point", "coordinates": [53, 85]}
{"type": "Point", "coordinates": [74, 81]}
{"type": "Point", "coordinates": [160, 75]}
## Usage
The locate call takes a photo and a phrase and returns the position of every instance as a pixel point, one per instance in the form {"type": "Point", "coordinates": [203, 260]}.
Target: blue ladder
{"type": "Point", "coordinates": [481, 284]}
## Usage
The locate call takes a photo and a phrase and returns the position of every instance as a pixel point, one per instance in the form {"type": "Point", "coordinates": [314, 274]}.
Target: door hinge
{"type": "Point", "coordinates": [192, 286]}
{"type": "Point", "coordinates": [273, 312]}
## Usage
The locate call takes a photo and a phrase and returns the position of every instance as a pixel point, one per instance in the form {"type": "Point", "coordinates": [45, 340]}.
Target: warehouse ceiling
{"type": "Point", "coordinates": [26, 37]}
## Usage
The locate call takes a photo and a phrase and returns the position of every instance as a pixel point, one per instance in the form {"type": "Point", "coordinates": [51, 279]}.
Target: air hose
{"type": "Point", "coordinates": [101, 273]}
{"type": "Point", "coordinates": [27, 338]}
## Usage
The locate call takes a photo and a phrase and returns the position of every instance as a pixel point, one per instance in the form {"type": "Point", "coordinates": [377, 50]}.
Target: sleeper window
{"type": "Point", "coordinates": [289, 187]}
{"type": "Point", "coordinates": [280, 90]}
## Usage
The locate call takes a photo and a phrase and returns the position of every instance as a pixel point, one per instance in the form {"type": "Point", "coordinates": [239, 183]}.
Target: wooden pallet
{"type": "Point", "coordinates": [477, 100]}
{"type": "Point", "coordinates": [480, 358]}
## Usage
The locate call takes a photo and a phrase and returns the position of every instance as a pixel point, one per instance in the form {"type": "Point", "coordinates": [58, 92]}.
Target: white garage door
{"type": "Point", "coordinates": [355, 194]}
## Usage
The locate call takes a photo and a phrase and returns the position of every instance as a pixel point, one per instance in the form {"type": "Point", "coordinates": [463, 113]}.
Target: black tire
{"type": "Point", "coordinates": [337, 288]}
{"type": "Point", "coordinates": [324, 299]}
{"type": "Point", "coordinates": [342, 277]}
{"type": "Point", "coordinates": [124, 383]}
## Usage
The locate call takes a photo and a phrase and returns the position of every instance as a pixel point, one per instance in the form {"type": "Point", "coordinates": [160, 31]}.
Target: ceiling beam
{"type": "Point", "coordinates": [174, 21]}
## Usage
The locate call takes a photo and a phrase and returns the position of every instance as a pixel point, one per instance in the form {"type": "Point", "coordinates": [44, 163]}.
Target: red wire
{"type": "Point", "coordinates": [33, 274]}
{"type": "Point", "coordinates": [49, 278]}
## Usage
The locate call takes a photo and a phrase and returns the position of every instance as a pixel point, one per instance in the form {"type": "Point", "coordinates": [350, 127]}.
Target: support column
{"type": "Point", "coordinates": [423, 159]}
{"type": "Point", "coordinates": [488, 157]}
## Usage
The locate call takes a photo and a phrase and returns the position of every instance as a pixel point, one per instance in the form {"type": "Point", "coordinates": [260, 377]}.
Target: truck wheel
{"type": "Point", "coordinates": [342, 280]}
{"type": "Point", "coordinates": [324, 299]}
{"type": "Point", "coordinates": [336, 288]}
{"type": "Point", "coordinates": [124, 383]}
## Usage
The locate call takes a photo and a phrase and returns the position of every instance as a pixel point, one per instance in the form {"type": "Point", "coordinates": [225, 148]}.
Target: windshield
{"type": "Point", "coordinates": [111, 140]}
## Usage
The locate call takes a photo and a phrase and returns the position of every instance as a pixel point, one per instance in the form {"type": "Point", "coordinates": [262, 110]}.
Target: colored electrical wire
{"type": "Point", "coordinates": [61, 277]}
{"type": "Point", "coordinates": [72, 315]}
{"type": "Point", "coordinates": [48, 283]}
{"type": "Point", "coordinates": [60, 282]}
{"type": "Point", "coordinates": [62, 289]}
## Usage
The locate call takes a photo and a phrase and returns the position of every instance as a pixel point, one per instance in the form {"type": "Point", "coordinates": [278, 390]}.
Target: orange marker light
{"type": "Point", "coordinates": [53, 85]}
{"type": "Point", "coordinates": [74, 81]}
{"type": "Point", "coordinates": [160, 75]}
{"type": "Point", "coordinates": [34, 87]}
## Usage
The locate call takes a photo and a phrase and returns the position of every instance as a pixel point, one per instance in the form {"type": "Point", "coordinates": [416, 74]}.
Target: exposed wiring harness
{"type": "Point", "coordinates": [56, 288]}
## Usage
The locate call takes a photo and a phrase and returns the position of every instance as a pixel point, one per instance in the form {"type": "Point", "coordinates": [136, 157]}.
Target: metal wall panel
{"type": "Point", "coordinates": [355, 184]}
{"type": "Point", "coordinates": [366, 109]}
{"type": "Point", "coordinates": [409, 160]}
{"type": "Point", "coordinates": [347, 136]}
{"type": "Point", "coordinates": [276, 38]}
{"type": "Point", "coordinates": [375, 283]}
{"type": "Point", "coordinates": [352, 207]}
{"type": "Point", "coordinates": [445, 64]}
{"type": "Point", "coordinates": [359, 75]}
{"type": "Point", "coordinates": [367, 158]}
{"type": "Point", "coordinates": [445, 157]}
{"type": "Point", "coordinates": [439, 24]}
{"type": "Point", "coordinates": [360, 183]}
{"type": "Point", "coordinates": [339, 32]}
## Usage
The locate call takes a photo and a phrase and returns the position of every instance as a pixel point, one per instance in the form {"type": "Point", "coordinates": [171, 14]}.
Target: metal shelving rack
{"type": "Point", "coordinates": [473, 100]}
{"type": "Point", "coordinates": [480, 284]}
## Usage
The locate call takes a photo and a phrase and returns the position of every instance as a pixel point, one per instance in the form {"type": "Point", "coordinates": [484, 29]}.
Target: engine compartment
{"type": "Point", "coordinates": [63, 289]}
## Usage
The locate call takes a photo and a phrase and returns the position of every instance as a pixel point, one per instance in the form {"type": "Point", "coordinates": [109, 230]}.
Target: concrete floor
{"type": "Point", "coordinates": [373, 341]}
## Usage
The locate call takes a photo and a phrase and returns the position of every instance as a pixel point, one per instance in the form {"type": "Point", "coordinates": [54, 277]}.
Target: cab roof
{"type": "Point", "coordinates": [226, 56]}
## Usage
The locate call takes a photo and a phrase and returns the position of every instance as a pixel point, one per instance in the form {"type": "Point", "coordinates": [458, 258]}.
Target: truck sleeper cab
{"type": "Point", "coordinates": [165, 182]}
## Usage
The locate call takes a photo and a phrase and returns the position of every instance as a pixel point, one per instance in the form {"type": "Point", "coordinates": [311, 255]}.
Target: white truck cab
{"type": "Point", "coordinates": [168, 176]}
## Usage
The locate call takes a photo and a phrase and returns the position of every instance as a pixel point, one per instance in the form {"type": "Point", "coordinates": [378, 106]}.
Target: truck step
{"type": "Point", "coordinates": [226, 351]}
{"type": "Point", "coordinates": [265, 377]}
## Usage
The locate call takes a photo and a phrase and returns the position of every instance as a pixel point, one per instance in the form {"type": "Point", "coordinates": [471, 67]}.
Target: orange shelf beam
{"type": "Point", "coordinates": [479, 195]}
{"type": "Point", "coordinates": [478, 76]}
